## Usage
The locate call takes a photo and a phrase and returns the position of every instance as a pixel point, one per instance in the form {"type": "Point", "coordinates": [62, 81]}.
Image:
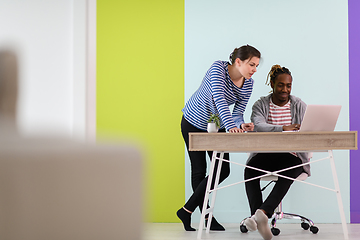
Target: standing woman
{"type": "Point", "coordinates": [224, 84]}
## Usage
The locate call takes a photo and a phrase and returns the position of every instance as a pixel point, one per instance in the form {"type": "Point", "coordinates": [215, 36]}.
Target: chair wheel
{"type": "Point", "coordinates": [305, 225]}
{"type": "Point", "coordinates": [275, 231]}
{"type": "Point", "coordinates": [314, 229]}
{"type": "Point", "coordinates": [243, 229]}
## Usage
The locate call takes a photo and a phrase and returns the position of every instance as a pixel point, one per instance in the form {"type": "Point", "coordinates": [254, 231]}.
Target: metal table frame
{"type": "Point", "coordinates": [270, 142]}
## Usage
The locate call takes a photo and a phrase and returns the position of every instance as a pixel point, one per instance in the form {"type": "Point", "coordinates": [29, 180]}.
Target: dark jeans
{"type": "Point", "coordinates": [198, 168]}
{"type": "Point", "coordinates": [270, 162]}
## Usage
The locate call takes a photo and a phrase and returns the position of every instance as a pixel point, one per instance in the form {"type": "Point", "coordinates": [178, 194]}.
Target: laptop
{"type": "Point", "coordinates": [320, 118]}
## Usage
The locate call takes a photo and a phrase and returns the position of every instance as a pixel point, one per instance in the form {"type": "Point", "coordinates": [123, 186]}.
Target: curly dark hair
{"type": "Point", "coordinates": [275, 71]}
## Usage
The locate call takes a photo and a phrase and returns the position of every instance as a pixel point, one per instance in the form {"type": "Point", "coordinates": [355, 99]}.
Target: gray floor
{"type": "Point", "coordinates": [175, 231]}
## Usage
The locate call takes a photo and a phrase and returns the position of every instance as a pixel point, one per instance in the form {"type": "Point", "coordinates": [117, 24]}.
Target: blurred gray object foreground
{"type": "Point", "coordinates": [60, 189]}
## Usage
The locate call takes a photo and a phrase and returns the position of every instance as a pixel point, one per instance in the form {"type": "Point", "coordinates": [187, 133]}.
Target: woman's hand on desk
{"type": "Point", "coordinates": [244, 127]}
{"type": "Point", "coordinates": [292, 127]}
{"type": "Point", "coordinates": [235, 130]}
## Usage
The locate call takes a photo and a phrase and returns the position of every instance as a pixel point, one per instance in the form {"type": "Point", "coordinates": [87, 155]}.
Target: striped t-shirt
{"type": "Point", "coordinates": [215, 94]}
{"type": "Point", "coordinates": [280, 115]}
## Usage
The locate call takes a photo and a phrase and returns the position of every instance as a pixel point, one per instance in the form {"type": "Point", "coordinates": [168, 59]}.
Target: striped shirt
{"type": "Point", "coordinates": [215, 94]}
{"type": "Point", "coordinates": [280, 115]}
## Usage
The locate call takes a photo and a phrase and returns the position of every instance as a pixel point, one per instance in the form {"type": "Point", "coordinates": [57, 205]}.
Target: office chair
{"type": "Point", "coordinates": [279, 214]}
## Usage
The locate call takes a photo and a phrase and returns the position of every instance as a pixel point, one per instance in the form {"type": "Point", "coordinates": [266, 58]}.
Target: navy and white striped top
{"type": "Point", "coordinates": [215, 94]}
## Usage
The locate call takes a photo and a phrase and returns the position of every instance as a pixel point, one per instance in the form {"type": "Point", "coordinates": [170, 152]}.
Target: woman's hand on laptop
{"type": "Point", "coordinates": [292, 127]}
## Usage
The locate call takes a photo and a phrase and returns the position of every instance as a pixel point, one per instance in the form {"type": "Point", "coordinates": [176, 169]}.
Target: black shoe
{"type": "Point", "coordinates": [215, 226]}
{"type": "Point", "coordinates": [185, 218]}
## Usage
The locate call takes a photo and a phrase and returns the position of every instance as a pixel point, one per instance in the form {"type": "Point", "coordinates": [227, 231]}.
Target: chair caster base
{"type": "Point", "coordinates": [275, 231]}
{"type": "Point", "coordinates": [314, 229]}
{"type": "Point", "coordinates": [243, 229]}
{"type": "Point", "coordinates": [305, 225]}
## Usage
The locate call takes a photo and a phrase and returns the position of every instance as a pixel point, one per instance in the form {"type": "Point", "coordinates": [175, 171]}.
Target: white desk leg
{"type": "Point", "coordinates": [338, 194]}
{"type": "Point", "coordinates": [217, 178]}
{"type": "Point", "coordinates": [207, 192]}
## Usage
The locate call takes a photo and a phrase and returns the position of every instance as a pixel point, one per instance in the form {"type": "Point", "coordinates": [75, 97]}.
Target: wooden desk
{"type": "Point", "coordinates": [270, 142]}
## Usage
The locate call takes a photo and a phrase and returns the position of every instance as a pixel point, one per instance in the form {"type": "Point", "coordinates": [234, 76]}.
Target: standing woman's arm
{"type": "Point", "coordinates": [217, 81]}
{"type": "Point", "coordinates": [238, 113]}
{"type": "Point", "coordinates": [240, 106]}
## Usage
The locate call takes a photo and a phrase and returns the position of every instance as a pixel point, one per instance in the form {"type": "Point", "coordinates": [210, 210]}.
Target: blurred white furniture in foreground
{"type": "Point", "coordinates": [57, 189]}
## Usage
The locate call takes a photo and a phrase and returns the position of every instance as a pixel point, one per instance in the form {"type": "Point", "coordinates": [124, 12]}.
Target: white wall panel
{"type": "Point", "coordinates": [49, 38]}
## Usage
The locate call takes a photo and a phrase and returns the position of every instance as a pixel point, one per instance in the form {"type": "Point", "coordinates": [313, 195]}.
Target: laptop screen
{"type": "Point", "coordinates": [320, 118]}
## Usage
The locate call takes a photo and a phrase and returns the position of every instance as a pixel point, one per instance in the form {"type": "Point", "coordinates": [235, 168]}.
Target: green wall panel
{"type": "Point", "coordinates": [140, 91]}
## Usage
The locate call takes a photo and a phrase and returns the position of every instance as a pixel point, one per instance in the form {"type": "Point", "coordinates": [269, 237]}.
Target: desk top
{"type": "Point", "coordinates": [273, 141]}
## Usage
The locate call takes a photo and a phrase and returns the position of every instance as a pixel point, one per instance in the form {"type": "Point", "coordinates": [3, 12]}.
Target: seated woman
{"type": "Point", "coordinates": [279, 111]}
